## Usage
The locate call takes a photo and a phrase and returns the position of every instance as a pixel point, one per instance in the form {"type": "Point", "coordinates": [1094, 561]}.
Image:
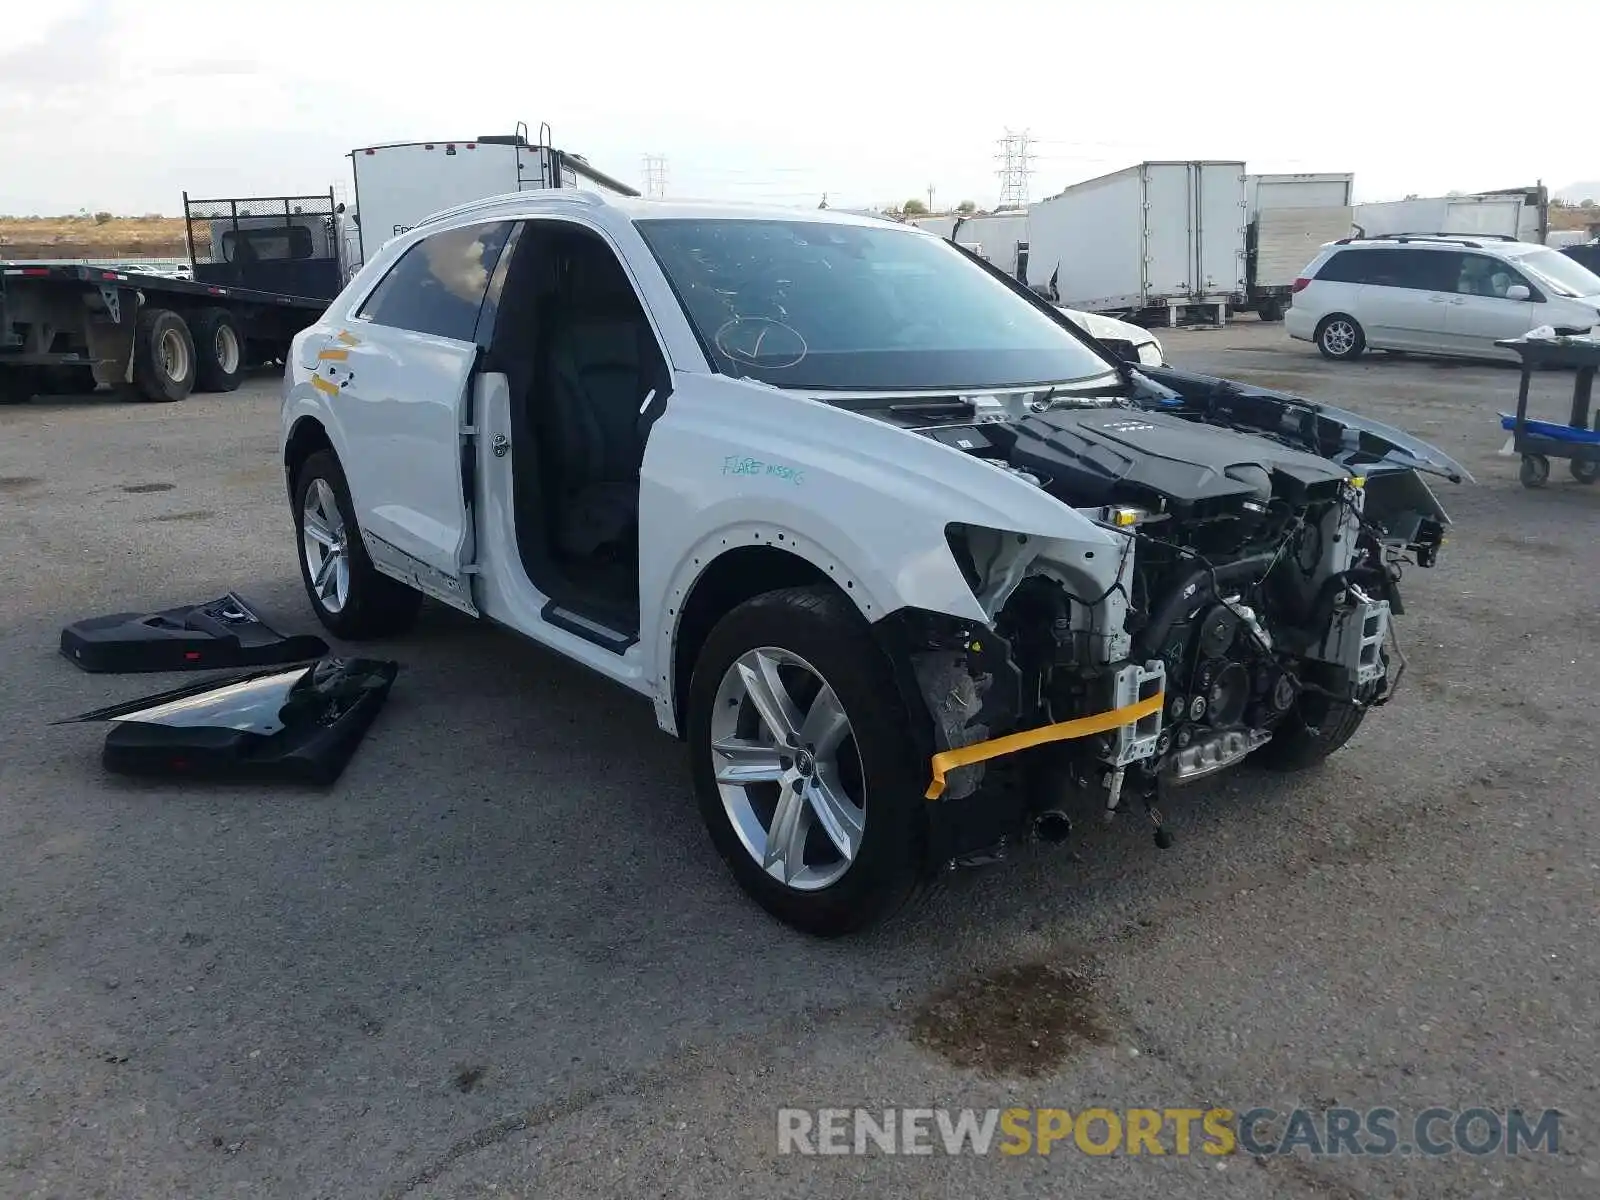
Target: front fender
{"type": "Point", "coordinates": [732, 464]}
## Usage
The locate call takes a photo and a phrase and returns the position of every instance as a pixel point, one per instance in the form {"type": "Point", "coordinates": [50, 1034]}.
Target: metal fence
{"type": "Point", "coordinates": [255, 226]}
{"type": "Point", "coordinates": [287, 244]}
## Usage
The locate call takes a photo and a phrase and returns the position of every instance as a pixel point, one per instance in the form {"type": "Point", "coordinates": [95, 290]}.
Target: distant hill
{"type": "Point", "coordinates": [90, 237]}
{"type": "Point", "coordinates": [1574, 193]}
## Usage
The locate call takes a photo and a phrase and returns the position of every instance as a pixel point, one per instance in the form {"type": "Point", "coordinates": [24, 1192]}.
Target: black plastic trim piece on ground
{"type": "Point", "coordinates": [225, 632]}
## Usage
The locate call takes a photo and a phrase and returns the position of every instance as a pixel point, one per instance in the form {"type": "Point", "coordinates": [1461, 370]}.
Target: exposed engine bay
{"type": "Point", "coordinates": [1257, 550]}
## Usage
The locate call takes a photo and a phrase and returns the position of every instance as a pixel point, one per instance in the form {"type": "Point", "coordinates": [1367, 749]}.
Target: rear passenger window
{"type": "Point", "coordinates": [438, 285]}
{"type": "Point", "coordinates": [1344, 267]}
{"type": "Point", "coordinates": [1393, 266]}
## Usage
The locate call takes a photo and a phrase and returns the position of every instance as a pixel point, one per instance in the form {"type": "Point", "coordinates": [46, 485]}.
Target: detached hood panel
{"type": "Point", "coordinates": [297, 724]}
{"type": "Point", "coordinates": [1355, 442]}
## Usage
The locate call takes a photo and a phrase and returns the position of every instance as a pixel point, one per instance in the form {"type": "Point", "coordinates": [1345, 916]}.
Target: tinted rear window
{"type": "Point", "coordinates": [267, 245]}
{"type": "Point", "coordinates": [1393, 266]}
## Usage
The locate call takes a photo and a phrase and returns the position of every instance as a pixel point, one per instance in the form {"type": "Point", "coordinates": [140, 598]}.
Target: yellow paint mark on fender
{"type": "Point", "coordinates": [333, 356]}
{"type": "Point", "coordinates": [1062, 731]}
{"type": "Point", "coordinates": [326, 387]}
{"type": "Point", "coordinates": [348, 338]}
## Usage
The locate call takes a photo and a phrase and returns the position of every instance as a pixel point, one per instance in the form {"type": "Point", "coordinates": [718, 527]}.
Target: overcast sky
{"type": "Point", "coordinates": [121, 105]}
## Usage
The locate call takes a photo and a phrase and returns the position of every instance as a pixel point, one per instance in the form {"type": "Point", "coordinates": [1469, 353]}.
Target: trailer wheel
{"type": "Point", "coordinates": [65, 380]}
{"type": "Point", "coordinates": [17, 385]}
{"type": "Point", "coordinates": [163, 356]}
{"type": "Point", "coordinates": [1270, 310]}
{"type": "Point", "coordinates": [219, 351]}
{"type": "Point", "coordinates": [1584, 470]}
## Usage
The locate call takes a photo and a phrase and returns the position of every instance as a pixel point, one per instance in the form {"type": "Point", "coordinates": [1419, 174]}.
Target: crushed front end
{"type": "Point", "coordinates": [1243, 610]}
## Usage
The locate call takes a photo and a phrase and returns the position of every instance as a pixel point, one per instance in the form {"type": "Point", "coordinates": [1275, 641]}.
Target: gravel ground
{"type": "Point", "coordinates": [500, 958]}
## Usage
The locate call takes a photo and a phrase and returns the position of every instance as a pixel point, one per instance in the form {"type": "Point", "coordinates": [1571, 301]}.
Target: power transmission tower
{"type": "Point", "coordinates": [655, 176]}
{"type": "Point", "coordinates": [1016, 168]}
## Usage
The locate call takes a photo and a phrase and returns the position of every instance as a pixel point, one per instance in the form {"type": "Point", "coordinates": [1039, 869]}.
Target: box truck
{"type": "Point", "coordinates": [1290, 218]}
{"type": "Point", "coordinates": [1160, 239]}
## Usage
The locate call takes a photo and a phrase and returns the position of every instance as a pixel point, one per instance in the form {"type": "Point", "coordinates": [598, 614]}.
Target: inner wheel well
{"type": "Point", "coordinates": [739, 575]}
{"type": "Point", "coordinates": [305, 439]}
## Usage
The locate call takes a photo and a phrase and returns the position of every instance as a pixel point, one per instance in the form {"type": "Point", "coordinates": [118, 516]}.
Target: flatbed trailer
{"type": "Point", "coordinates": [66, 329]}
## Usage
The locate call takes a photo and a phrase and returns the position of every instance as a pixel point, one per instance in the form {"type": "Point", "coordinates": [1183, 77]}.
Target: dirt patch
{"type": "Point", "coordinates": [139, 489]}
{"type": "Point", "coordinates": [467, 1078]}
{"type": "Point", "coordinates": [16, 483]}
{"type": "Point", "coordinates": [1022, 1020]}
{"type": "Point", "coordinates": [199, 514]}
{"type": "Point", "coordinates": [1529, 546]}
{"type": "Point", "coordinates": [265, 473]}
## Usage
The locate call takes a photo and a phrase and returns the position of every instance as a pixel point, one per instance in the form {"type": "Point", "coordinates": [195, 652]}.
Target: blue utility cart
{"type": "Point", "coordinates": [1540, 441]}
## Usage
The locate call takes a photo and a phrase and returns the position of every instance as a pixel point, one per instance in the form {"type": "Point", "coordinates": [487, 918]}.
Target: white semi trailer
{"type": "Point", "coordinates": [398, 184]}
{"type": "Point", "coordinates": [1520, 213]}
{"type": "Point", "coordinates": [1157, 239]}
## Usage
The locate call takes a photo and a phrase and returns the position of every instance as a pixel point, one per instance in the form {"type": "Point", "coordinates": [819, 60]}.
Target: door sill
{"type": "Point", "coordinates": [603, 636]}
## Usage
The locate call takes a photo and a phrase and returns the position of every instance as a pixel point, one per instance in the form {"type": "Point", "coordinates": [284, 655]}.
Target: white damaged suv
{"type": "Point", "coordinates": [906, 556]}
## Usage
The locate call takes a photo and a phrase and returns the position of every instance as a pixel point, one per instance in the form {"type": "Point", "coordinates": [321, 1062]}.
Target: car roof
{"type": "Point", "coordinates": [1440, 241]}
{"type": "Point", "coordinates": [542, 200]}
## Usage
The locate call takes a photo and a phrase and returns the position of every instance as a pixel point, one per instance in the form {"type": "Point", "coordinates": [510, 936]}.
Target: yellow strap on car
{"type": "Point", "coordinates": [1061, 731]}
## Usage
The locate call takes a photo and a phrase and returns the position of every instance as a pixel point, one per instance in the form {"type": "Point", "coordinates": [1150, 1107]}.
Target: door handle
{"type": "Point", "coordinates": [1436, 299]}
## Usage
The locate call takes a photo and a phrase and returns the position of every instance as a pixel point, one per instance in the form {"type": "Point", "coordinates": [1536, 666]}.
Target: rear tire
{"type": "Point", "coordinates": [350, 596]}
{"type": "Point", "coordinates": [1584, 470]}
{"type": "Point", "coordinates": [163, 356]}
{"type": "Point", "coordinates": [18, 385]}
{"type": "Point", "coordinates": [1270, 310]}
{"type": "Point", "coordinates": [1340, 337]}
{"type": "Point", "coordinates": [819, 641]}
{"type": "Point", "coordinates": [219, 350]}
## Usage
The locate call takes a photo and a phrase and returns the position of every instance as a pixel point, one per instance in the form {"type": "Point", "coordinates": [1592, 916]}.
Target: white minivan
{"type": "Point", "coordinates": [1454, 294]}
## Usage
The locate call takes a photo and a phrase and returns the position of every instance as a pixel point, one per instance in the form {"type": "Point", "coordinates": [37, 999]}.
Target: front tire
{"type": "Point", "coordinates": [351, 598]}
{"type": "Point", "coordinates": [804, 766]}
{"type": "Point", "coordinates": [1314, 728]}
{"type": "Point", "coordinates": [1341, 338]}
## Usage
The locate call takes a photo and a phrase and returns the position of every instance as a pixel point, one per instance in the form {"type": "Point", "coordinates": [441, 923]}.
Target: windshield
{"type": "Point", "coordinates": [1560, 273]}
{"type": "Point", "coordinates": [813, 304]}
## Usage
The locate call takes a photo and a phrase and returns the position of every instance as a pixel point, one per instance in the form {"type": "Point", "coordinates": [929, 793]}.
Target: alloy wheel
{"type": "Point", "coordinates": [323, 542]}
{"type": "Point", "coordinates": [1339, 338]}
{"type": "Point", "coordinates": [788, 769]}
